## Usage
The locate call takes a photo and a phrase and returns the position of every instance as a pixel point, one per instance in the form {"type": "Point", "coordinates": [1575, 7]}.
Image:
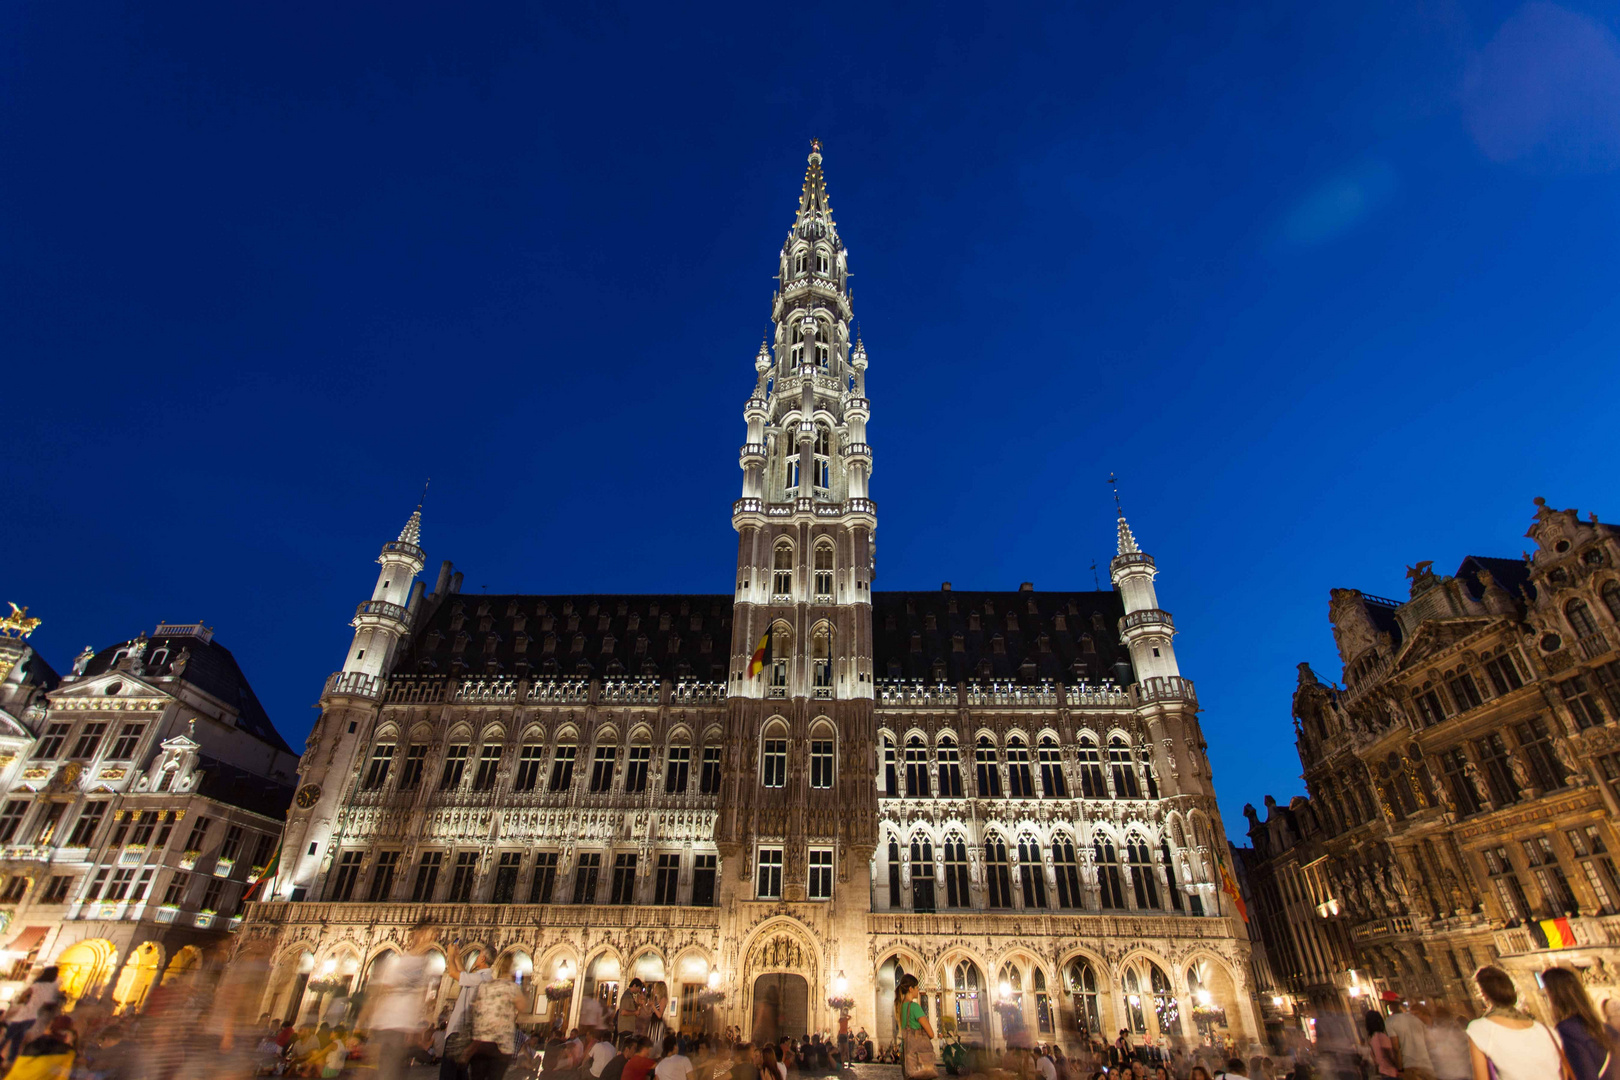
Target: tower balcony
{"type": "Point", "coordinates": [405, 548]}
{"type": "Point", "coordinates": [373, 612]}
{"type": "Point", "coordinates": [1129, 559]}
{"type": "Point", "coordinates": [1164, 688]}
{"type": "Point", "coordinates": [858, 405]}
{"type": "Point", "coordinates": [752, 507]}
{"type": "Point", "coordinates": [1154, 618]}
{"type": "Point", "coordinates": [353, 684]}
{"type": "Point", "coordinates": [751, 454]}
{"type": "Point", "coordinates": [859, 450]}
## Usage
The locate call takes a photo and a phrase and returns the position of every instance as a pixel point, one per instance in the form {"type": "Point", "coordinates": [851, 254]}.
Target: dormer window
{"type": "Point", "coordinates": [824, 357]}
{"type": "Point", "coordinates": [823, 264]}
{"type": "Point", "coordinates": [800, 261]}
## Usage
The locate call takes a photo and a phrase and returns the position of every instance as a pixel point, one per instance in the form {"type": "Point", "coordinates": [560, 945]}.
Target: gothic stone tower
{"type": "Point", "coordinates": [798, 807]}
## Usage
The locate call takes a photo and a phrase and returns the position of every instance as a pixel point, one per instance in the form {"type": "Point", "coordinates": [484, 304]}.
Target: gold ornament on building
{"type": "Point", "coordinates": [17, 625]}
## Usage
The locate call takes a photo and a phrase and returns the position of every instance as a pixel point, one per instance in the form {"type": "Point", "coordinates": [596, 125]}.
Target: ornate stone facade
{"type": "Point", "coordinates": [1462, 781]}
{"type": "Point", "coordinates": [141, 795]}
{"type": "Point", "coordinates": [771, 795]}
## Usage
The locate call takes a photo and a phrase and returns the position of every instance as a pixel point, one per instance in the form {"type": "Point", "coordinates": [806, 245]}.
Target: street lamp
{"type": "Point", "coordinates": [1205, 997]}
{"type": "Point", "coordinates": [714, 979]}
{"type": "Point", "coordinates": [1006, 990]}
{"type": "Point", "coordinates": [565, 971]}
{"type": "Point", "coordinates": [840, 985]}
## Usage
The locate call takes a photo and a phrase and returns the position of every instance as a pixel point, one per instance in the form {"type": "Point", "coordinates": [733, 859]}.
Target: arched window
{"type": "Point", "coordinates": [1067, 869]}
{"type": "Point", "coordinates": [1011, 990]}
{"type": "Point", "coordinates": [957, 893]}
{"type": "Point", "coordinates": [782, 570]}
{"type": "Point", "coordinates": [1052, 785]}
{"type": "Point", "coordinates": [602, 763]}
{"type": "Point", "coordinates": [891, 779]}
{"type": "Point", "coordinates": [1580, 618]}
{"type": "Point", "coordinates": [1043, 1003]}
{"type": "Point", "coordinates": [1133, 1002]}
{"type": "Point", "coordinates": [922, 873]}
{"type": "Point", "coordinates": [1113, 892]}
{"type": "Point", "coordinates": [1142, 876]}
{"type": "Point", "coordinates": [1170, 874]}
{"type": "Point", "coordinates": [773, 756]}
{"type": "Point", "coordinates": [1124, 770]}
{"type": "Point", "coordinates": [822, 479]}
{"type": "Point", "coordinates": [997, 873]}
{"type": "Point", "coordinates": [562, 766]}
{"type": "Point", "coordinates": [781, 656]}
{"type": "Point", "coordinates": [1081, 982]}
{"type": "Point", "coordinates": [1030, 875]}
{"type": "Point", "coordinates": [894, 875]}
{"type": "Point", "coordinates": [823, 754]}
{"type": "Point", "coordinates": [986, 772]}
{"type": "Point", "coordinates": [824, 573]}
{"type": "Point", "coordinates": [636, 767]}
{"type": "Point", "coordinates": [821, 662]}
{"type": "Point", "coordinates": [950, 768]}
{"type": "Point", "coordinates": [916, 768]}
{"type": "Point", "coordinates": [1020, 785]}
{"type": "Point", "coordinates": [969, 987]}
{"type": "Point", "coordinates": [1164, 1002]}
{"type": "Point", "coordinates": [677, 770]}
{"type": "Point", "coordinates": [1150, 777]}
{"type": "Point", "coordinates": [801, 263]}
{"type": "Point", "coordinates": [1092, 785]}
{"type": "Point", "coordinates": [822, 263]}
{"type": "Point", "coordinates": [1611, 599]}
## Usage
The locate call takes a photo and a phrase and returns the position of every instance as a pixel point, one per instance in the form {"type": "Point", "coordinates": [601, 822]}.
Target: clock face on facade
{"type": "Point", "coordinates": [308, 795]}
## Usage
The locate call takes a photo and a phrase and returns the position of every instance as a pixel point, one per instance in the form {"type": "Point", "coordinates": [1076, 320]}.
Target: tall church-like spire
{"type": "Point", "coordinates": [813, 204]}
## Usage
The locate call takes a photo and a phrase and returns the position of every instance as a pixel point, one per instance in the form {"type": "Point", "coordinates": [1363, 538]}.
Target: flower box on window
{"type": "Point", "coordinates": [166, 912]}
{"type": "Point", "coordinates": [188, 859]}
{"type": "Point", "coordinates": [204, 920]}
{"type": "Point", "coordinates": [222, 867]}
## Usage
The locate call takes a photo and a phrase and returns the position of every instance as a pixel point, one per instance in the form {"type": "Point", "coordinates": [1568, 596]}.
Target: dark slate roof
{"type": "Point", "coordinates": [1382, 614]}
{"type": "Point", "coordinates": [468, 633]}
{"type": "Point", "coordinates": [1017, 638]}
{"type": "Point", "coordinates": [1512, 574]}
{"type": "Point", "coordinates": [238, 787]}
{"type": "Point", "coordinates": [696, 643]}
{"type": "Point", "coordinates": [38, 671]}
{"type": "Point", "coordinates": [211, 669]}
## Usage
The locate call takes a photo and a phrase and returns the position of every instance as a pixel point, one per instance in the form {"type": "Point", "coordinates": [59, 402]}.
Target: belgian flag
{"type": "Point", "coordinates": [761, 651]}
{"type": "Point", "coordinates": [1552, 933]}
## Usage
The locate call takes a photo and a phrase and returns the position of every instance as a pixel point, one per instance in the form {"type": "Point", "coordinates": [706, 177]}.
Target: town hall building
{"type": "Point", "coordinates": [789, 794]}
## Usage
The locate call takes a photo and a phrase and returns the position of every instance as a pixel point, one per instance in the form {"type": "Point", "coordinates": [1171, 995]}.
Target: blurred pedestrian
{"type": "Point", "coordinates": [1589, 1043]}
{"type": "Point", "coordinates": [1508, 1040]}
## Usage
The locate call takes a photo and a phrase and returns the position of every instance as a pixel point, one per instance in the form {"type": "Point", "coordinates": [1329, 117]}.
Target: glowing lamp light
{"type": "Point", "coordinates": [840, 985]}
{"type": "Point", "coordinates": [1006, 989]}
{"type": "Point", "coordinates": [1277, 1000]}
{"type": "Point", "coordinates": [1355, 991]}
{"type": "Point", "coordinates": [714, 980]}
{"type": "Point", "coordinates": [1205, 997]}
{"type": "Point", "coordinates": [328, 967]}
{"type": "Point", "coordinates": [1135, 1000]}
{"type": "Point", "coordinates": [565, 971]}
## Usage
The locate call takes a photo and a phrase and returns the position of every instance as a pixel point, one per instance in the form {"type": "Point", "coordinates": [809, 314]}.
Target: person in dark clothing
{"type": "Point", "coordinates": [742, 1063]}
{"type": "Point", "coordinates": [1589, 1043]}
{"type": "Point", "coordinates": [615, 1065]}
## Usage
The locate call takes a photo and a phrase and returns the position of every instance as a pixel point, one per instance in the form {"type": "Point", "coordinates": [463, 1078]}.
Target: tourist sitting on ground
{"type": "Point", "coordinates": [673, 1065]}
{"type": "Point", "coordinates": [642, 1062]}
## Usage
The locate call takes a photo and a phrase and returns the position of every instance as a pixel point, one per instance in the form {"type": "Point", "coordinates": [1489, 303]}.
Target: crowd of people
{"type": "Point", "coordinates": [201, 1031]}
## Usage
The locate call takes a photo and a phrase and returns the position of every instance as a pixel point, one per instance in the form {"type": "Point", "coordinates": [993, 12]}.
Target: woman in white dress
{"type": "Point", "coordinates": [1518, 1045]}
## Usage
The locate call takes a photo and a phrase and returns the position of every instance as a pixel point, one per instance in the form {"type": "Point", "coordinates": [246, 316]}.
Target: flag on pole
{"type": "Point", "coordinates": [265, 878]}
{"type": "Point", "coordinates": [1229, 887]}
{"type": "Point", "coordinates": [757, 664]}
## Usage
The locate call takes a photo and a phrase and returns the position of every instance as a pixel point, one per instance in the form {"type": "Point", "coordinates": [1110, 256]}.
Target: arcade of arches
{"type": "Point", "coordinates": [1083, 996]}
{"type": "Point", "coordinates": [92, 969]}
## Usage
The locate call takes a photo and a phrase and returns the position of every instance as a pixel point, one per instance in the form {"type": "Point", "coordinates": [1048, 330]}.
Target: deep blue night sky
{"type": "Point", "coordinates": [1332, 287]}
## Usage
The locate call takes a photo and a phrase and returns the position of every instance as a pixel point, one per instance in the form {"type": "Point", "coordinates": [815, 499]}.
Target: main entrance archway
{"type": "Point", "coordinates": [781, 1007]}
